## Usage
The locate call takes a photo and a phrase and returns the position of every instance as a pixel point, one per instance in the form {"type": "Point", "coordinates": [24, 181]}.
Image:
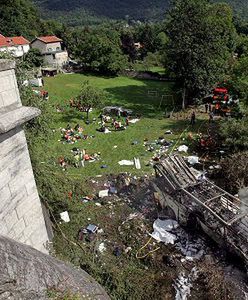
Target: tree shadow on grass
{"type": "Point", "coordinates": [71, 116]}
{"type": "Point", "coordinates": [136, 97]}
{"type": "Point", "coordinates": [97, 74]}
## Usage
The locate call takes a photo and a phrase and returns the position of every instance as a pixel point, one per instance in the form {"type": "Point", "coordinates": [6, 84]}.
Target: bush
{"type": "Point", "coordinates": [235, 171]}
{"type": "Point", "coordinates": [234, 134]}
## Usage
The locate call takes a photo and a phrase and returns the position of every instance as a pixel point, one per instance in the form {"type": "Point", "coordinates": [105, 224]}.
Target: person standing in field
{"type": "Point", "coordinates": [192, 120]}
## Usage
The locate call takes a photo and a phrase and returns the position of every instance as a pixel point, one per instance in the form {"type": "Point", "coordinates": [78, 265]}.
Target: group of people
{"type": "Point", "coordinates": [80, 157]}
{"type": "Point", "coordinates": [211, 110]}
{"type": "Point", "coordinates": [71, 135]}
{"type": "Point", "coordinates": [107, 121]}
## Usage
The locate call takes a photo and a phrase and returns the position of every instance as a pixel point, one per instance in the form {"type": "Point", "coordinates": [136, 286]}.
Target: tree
{"type": "Point", "coordinates": [234, 134]}
{"type": "Point", "coordinates": [199, 45]}
{"type": "Point", "coordinates": [19, 17]}
{"type": "Point", "coordinates": [90, 97]}
{"type": "Point", "coordinates": [33, 58]}
{"type": "Point", "coordinates": [151, 36]}
{"type": "Point", "coordinates": [238, 78]}
{"type": "Point", "coordinates": [128, 44]}
{"type": "Point", "coordinates": [98, 50]}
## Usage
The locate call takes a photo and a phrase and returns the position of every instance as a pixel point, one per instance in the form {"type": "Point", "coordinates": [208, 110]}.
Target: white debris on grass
{"type": "Point", "coordinates": [137, 163]}
{"type": "Point", "coordinates": [133, 121]}
{"type": "Point", "coordinates": [183, 148]}
{"type": "Point", "coordinates": [136, 215]}
{"type": "Point", "coordinates": [65, 216]}
{"type": "Point", "coordinates": [218, 167]}
{"type": "Point", "coordinates": [107, 130]}
{"type": "Point", "coordinates": [193, 160]}
{"type": "Point", "coordinates": [183, 284]}
{"type": "Point", "coordinates": [126, 163]}
{"type": "Point", "coordinates": [101, 247]}
{"type": "Point", "coordinates": [103, 193]}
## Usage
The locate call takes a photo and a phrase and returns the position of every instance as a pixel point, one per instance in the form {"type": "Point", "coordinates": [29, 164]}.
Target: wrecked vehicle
{"type": "Point", "coordinates": [115, 110]}
{"type": "Point", "coordinates": [193, 200]}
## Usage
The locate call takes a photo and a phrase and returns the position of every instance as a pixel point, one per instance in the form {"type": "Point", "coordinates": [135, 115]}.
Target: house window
{"type": "Point", "coordinates": [58, 48]}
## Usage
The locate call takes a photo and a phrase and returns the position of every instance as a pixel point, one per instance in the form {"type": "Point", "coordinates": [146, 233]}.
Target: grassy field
{"type": "Point", "coordinates": [122, 91]}
{"type": "Point", "coordinates": [144, 67]}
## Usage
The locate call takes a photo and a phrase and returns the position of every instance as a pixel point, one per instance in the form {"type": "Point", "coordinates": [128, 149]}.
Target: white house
{"type": "Point", "coordinates": [51, 49]}
{"type": "Point", "coordinates": [16, 45]}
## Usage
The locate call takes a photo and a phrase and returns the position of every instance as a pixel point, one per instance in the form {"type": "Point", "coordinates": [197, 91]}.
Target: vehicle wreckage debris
{"type": "Point", "coordinates": [199, 201]}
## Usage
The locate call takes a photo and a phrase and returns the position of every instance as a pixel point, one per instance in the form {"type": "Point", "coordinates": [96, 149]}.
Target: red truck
{"type": "Point", "coordinates": [220, 94]}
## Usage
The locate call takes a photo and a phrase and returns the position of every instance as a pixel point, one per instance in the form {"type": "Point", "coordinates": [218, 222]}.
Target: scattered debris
{"type": "Point", "coordinates": [183, 284]}
{"type": "Point", "coordinates": [192, 248]}
{"type": "Point", "coordinates": [112, 190]}
{"type": "Point", "coordinates": [117, 251]}
{"type": "Point", "coordinates": [201, 202]}
{"type": "Point", "coordinates": [91, 228]}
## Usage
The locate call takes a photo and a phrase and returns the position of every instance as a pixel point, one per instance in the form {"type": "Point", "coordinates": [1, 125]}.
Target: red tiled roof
{"type": "Point", "coordinates": [49, 39]}
{"type": "Point", "coordinates": [13, 41]}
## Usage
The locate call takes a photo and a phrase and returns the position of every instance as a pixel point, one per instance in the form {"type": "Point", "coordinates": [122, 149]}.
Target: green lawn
{"type": "Point", "coordinates": [143, 67]}
{"type": "Point", "coordinates": [123, 91]}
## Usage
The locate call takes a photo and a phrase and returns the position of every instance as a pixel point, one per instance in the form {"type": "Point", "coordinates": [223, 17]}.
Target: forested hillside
{"type": "Point", "coordinates": [89, 10]}
{"type": "Point", "coordinates": [19, 17]}
{"type": "Point", "coordinates": [240, 7]}
{"type": "Point", "coordinates": [114, 9]}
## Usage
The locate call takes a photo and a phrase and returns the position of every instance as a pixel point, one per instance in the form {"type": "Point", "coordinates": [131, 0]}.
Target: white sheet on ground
{"type": "Point", "coordinates": [183, 148]}
{"type": "Point", "coordinates": [126, 163]}
{"type": "Point", "coordinates": [161, 228]}
{"type": "Point", "coordinates": [103, 193]}
{"type": "Point", "coordinates": [191, 248]}
{"type": "Point", "coordinates": [193, 160]}
{"type": "Point", "coordinates": [133, 121]}
{"type": "Point", "coordinates": [65, 216]}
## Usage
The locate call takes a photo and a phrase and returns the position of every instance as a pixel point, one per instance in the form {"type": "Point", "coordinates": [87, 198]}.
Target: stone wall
{"type": "Point", "coordinates": [21, 216]}
{"type": "Point", "coordinates": [28, 274]}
